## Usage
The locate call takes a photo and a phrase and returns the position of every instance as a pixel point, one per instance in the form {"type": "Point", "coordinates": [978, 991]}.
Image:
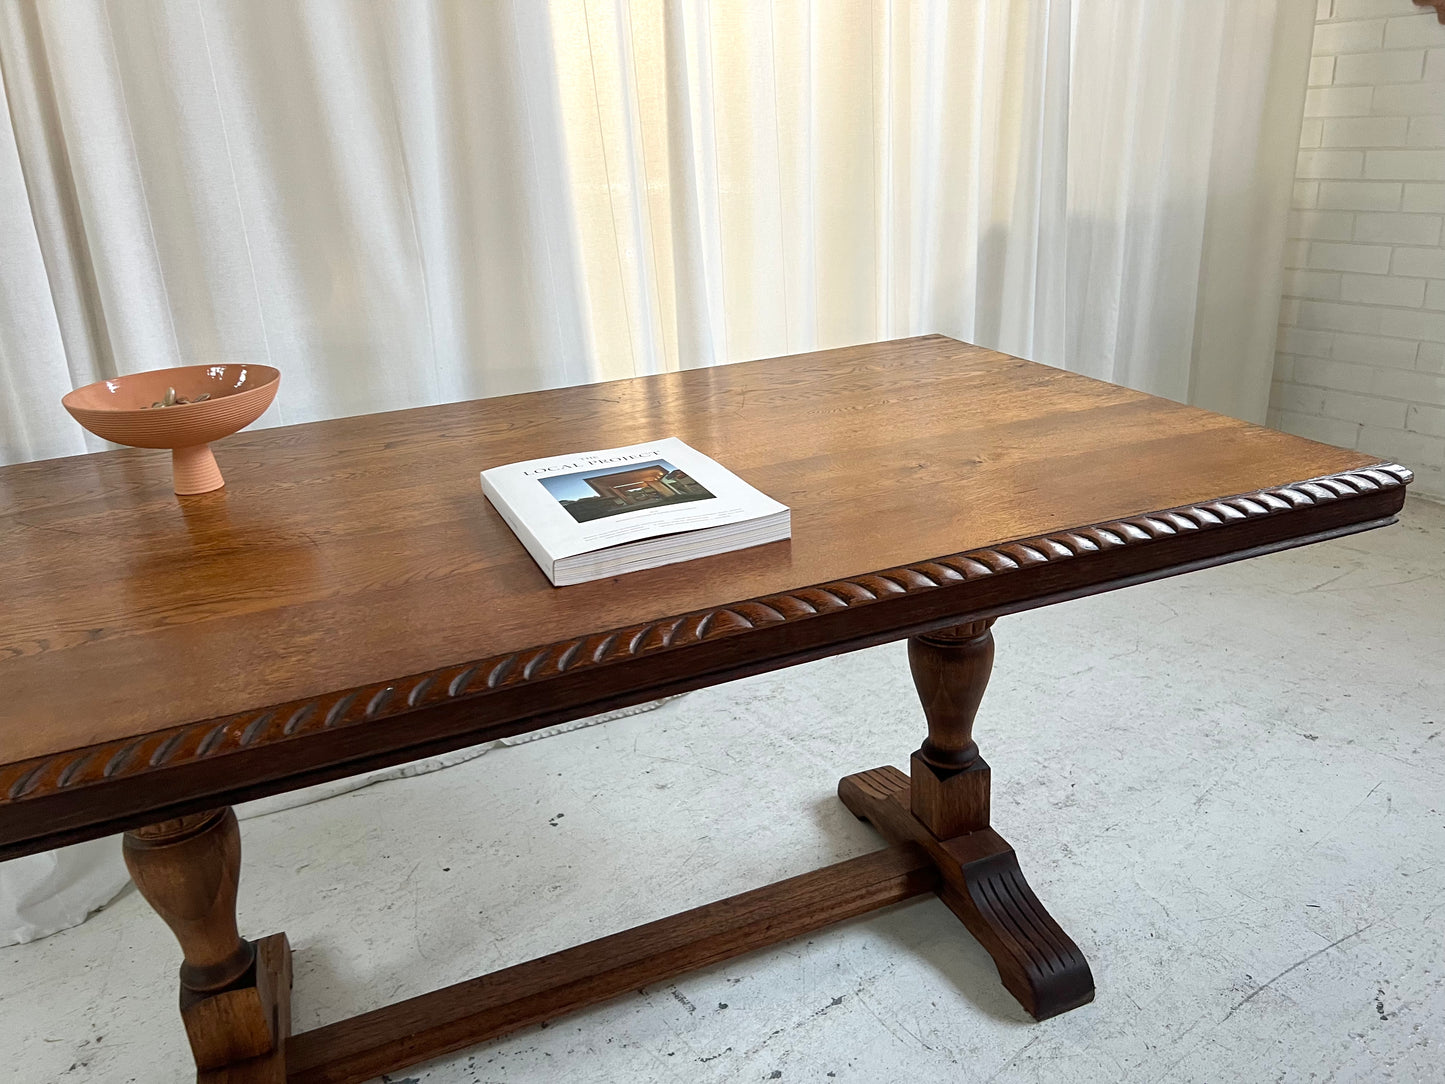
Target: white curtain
{"type": "Point", "coordinates": [401, 203]}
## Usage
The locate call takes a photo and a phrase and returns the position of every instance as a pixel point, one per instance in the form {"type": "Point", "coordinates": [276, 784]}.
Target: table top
{"type": "Point", "coordinates": [350, 598]}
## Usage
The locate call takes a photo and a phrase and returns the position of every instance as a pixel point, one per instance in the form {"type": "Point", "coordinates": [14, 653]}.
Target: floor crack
{"type": "Point", "coordinates": [1294, 966]}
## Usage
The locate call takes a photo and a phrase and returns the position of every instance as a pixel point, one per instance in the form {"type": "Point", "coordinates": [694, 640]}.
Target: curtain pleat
{"type": "Point", "coordinates": [401, 203]}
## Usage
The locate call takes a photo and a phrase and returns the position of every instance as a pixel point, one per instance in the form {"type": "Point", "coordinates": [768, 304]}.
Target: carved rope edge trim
{"type": "Point", "coordinates": [217, 737]}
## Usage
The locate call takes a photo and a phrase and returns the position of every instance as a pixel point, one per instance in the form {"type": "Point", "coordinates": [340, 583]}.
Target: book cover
{"type": "Point", "coordinates": [565, 506]}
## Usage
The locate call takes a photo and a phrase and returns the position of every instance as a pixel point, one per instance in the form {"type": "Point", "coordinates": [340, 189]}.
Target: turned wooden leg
{"type": "Point", "coordinates": [235, 994]}
{"type": "Point", "coordinates": [950, 780]}
{"type": "Point", "coordinates": [944, 807]}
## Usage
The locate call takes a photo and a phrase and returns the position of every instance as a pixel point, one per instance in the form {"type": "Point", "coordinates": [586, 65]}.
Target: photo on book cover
{"type": "Point", "coordinates": [612, 491]}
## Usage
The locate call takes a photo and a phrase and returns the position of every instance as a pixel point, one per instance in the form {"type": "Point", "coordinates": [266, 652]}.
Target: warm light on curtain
{"type": "Point", "coordinates": [755, 179]}
{"type": "Point", "coordinates": [1101, 187]}
{"type": "Point", "coordinates": [403, 203]}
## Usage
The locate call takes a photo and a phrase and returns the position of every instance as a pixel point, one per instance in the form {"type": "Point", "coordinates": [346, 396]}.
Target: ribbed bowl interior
{"type": "Point", "coordinates": [120, 409]}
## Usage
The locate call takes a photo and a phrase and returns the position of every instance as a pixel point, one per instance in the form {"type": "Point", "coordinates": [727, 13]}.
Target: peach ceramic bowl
{"type": "Point", "coordinates": [120, 410]}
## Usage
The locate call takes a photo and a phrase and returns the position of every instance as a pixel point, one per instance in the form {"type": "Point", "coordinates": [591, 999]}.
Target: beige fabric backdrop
{"type": "Point", "coordinates": [404, 203]}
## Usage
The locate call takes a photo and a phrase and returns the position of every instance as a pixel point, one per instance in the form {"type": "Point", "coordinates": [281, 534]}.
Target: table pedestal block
{"type": "Point", "coordinates": [271, 997]}
{"type": "Point", "coordinates": [951, 801]}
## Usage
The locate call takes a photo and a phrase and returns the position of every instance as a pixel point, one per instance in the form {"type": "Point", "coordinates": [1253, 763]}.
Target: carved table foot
{"type": "Point", "coordinates": [945, 810]}
{"type": "Point", "coordinates": [982, 884]}
{"type": "Point", "coordinates": [235, 996]}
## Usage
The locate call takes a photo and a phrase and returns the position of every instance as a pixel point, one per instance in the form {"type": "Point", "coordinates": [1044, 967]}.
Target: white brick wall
{"type": "Point", "coordinates": [1360, 360]}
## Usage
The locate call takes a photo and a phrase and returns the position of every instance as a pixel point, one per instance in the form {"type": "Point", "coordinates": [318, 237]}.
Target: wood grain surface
{"type": "Point", "coordinates": [348, 564]}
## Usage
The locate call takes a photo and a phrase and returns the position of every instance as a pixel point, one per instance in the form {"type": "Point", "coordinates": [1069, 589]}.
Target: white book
{"type": "Point", "coordinates": [597, 514]}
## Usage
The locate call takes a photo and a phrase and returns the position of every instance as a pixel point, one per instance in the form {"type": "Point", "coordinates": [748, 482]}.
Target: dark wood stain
{"type": "Point", "coordinates": [350, 600]}
{"type": "Point", "coordinates": [162, 656]}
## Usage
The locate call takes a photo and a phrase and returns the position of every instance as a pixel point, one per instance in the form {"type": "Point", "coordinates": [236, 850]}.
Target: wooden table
{"type": "Point", "coordinates": [351, 601]}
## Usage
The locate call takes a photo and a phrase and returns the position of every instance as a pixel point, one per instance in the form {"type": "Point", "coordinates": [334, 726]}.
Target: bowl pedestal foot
{"type": "Point", "coordinates": [194, 470]}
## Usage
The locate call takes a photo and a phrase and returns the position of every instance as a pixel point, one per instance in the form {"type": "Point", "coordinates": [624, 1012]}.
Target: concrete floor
{"type": "Point", "coordinates": [1229, 787]}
